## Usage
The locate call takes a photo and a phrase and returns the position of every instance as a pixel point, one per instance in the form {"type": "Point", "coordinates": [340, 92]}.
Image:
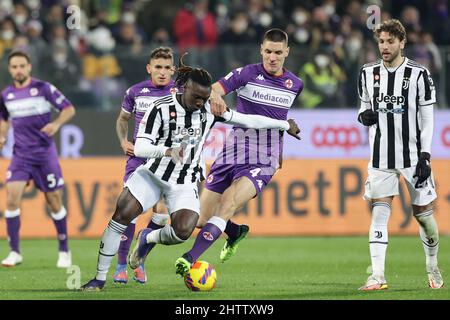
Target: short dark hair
{"type": "Point", "coordinates": [393, 27]}
{"type": "Point", "coordinates": [276, 35]}
{"type": "Point", "coordinates": [197, 75]}
{"type": "Point", "coordinates": [18, 53]}
{"type": "Point", "coordinates": [161, 52]}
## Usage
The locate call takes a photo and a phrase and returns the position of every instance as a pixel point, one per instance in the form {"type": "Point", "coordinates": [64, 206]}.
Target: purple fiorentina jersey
{"type": "Point", "coordinates": [137, 100]}
{"type": "Point", "coordinates": [29, 110]}
{"type": "Point", "coordinates": [140, 96]}
{"type": "Point", "coordinates": [263, 94]}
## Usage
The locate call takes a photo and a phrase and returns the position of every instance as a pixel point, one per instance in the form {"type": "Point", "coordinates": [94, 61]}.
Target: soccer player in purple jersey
{"type": "Point", "coordinates": [136, 101]}
{"type": "Point", "coordinates": [26, 104]}
{"type": "Point", "coordinates": [266, 89]}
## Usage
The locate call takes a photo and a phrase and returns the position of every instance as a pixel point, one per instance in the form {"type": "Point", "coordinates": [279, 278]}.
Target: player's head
{"type": "Point", "coordinates": [196, 85]}
{"type": "Point", "coordinates": [274, 50]}
{"type": "Point", "coordinates": [391, 38]}
{"type": "Point", "coordinates": [19, 66]}
{"type": "Point", "coordinates": [160, 66]}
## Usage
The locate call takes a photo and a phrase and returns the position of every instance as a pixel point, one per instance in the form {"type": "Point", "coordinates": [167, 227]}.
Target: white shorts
{"type": "Point", "coordinates": [383, 183]}
{"type": "Point", "coordinates": [148, 189]}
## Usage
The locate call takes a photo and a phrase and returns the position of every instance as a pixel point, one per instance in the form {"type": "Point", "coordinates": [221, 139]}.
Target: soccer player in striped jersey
{"type": "Point", "coordinates": [397, 97]}
{"type": "Point", "coordinates": [239, 172]}
{"type": "Point", "coordinates": [171, 135]}
{"type": "Point", "coordinates": [27, 106]}
{"type": "Point", "coordinates": [137, 100]}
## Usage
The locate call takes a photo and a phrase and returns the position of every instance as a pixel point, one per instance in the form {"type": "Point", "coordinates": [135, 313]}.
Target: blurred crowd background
{"type": "Point", "coordinates": [94, 59]}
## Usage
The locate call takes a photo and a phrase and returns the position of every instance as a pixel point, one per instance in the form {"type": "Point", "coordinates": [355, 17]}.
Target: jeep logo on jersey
{"type": "Point", "coordinates": [391, 99]}
{"type": "Point", "coordinates": [188, 131]}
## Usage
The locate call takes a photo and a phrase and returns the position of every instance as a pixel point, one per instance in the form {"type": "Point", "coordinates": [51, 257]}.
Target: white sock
{"type": "Point", "coordinates": [109, 245]}
{"type": "Point", "coordinates": [429, 234]}
{"type": "Point", "coordinates": [61, 214]}
{"type": "Point", "coordinates": [165, 235]}
{"type": "Point", "coordinates": [378, 237]}
{"type": "Point", "coordinates": [160, 218]}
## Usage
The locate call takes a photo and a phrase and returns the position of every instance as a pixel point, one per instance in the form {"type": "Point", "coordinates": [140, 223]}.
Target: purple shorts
{"type": "Point", "coordinates": [132, 164]}
{"type": "Point", "coordinates": [221, 176]}
{"type": "Point", "coordinates": [47, 176]}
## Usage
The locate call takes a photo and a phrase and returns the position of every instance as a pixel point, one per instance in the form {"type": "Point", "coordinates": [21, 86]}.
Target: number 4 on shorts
{"type": "Point", "coordinates": [255, 172]}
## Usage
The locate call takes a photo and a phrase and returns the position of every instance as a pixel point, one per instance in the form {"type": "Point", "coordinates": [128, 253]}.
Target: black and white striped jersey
{"type": "Point", "coordinates": [168, 124]}
{"type": "Point", "coordinates": [397, 95]}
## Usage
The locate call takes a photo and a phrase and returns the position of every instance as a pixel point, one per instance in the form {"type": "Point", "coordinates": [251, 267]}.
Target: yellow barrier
{"type": "Point", "coordinates": [306, 197]}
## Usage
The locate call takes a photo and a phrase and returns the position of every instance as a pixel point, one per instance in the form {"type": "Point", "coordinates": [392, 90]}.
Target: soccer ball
{"type": "Point", "coordinates": [201, 277]}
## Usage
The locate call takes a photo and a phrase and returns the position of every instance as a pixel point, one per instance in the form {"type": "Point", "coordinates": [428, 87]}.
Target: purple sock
{"type": "Point", "coordinates": [125, 243]}
{"type": "Point", "coordinates": [12, 227]}
{"type": "Point", "coordinates": [232, 229]}
{"type": "Point", "coordinates": [205, 238]}
{"type": "Point", "coordinates": [61, 229]}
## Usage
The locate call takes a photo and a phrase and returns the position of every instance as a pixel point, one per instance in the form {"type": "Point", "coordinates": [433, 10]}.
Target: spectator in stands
{"type": "Point", "coordinates": [195, 27]}
{"type": "Point", "coordinates": [410, 19]}
{"type": "Point", "coordinates": [195, 31]}
{"type": "Point", "coordinates": [322, 79]}
{"type": "Point", "coordinates": [8, 31]}
{"type": "Point", "coordinates": [62, 66]}
{"type": "Point", "coordinates": [299, 29]}
{"type": "Point", "coordinates": [161, 38]}
{"type": "Point", "coordinates": [34, 33]}
{"type": "Point", "coordinates": [101, 68]}
{"type": "Point", "coordinates": [54, 16]}
{"type": "Point", "coordinates": [128, 50]}
{"type": "Point", "coordinates": [235, 48]}
{"type": "Point", "coordinates": [20, 16]}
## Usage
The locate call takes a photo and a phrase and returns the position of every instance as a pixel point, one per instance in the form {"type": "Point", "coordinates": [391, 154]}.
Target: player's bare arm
{"type": "Point", "coordinates": [122, 133]}
{"type": "Point", "coordinates": [218, 105]}
{"type": "Point", "coordinates": [66, 114]}
{"type": "Point", "coordinates": [4, 126]}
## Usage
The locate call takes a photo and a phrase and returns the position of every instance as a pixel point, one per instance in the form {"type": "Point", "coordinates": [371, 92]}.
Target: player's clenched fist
{"type": "Point", "coordinates": [368, 117]}
{"type": "Point", "coordinates": [294, 130]}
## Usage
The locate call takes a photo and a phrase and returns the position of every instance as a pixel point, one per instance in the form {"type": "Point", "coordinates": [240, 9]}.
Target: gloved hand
{"type": "Point", "coordinates": [368, 117]}
{"type": "Point", "coordinates": [423, 169]}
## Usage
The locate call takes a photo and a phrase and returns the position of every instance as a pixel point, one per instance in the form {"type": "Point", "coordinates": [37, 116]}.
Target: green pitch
{"type": "Point", "coordinates": [263, 268]}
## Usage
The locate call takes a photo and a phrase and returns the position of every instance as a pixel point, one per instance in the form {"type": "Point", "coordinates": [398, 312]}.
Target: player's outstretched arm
{"type": "Point", "coordinates": [65, 115]}
{"type": "Point", "coordinates": [253, 121]}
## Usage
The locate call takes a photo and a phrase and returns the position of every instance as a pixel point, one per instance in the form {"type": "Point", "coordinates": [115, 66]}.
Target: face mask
{"type": "Point", "coordinates": [221, 10]}
{"type": "Point", "coordinates": [33, 4]}
{"type": "Point", "coordinates": [322, 61]}
{"type": "Point", "coordinates": [8, 35]}
{"type": "Point", "coordinates": [60, 58]}
{"type": "Point", "coordinates": [354, 45]}
{"type": "Point", "coordinates": [329, 9]}
{"type": "Point", "coordinates": [265, 19]}
{"type": "Point", "coordinates": [301, 35]}
{"type": "Point", "coordinates": [241, 26]}
{"type": "Point", "coordinates": [20, 19]}
{"type": "Point", "coordinates": [6, 5]}
{"type": "Point", "coordinates": [101, 40]}
{"type": "Point", "coordinates": [300, 18]}
{"type": "Point", "coordinates": [128, 17]}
